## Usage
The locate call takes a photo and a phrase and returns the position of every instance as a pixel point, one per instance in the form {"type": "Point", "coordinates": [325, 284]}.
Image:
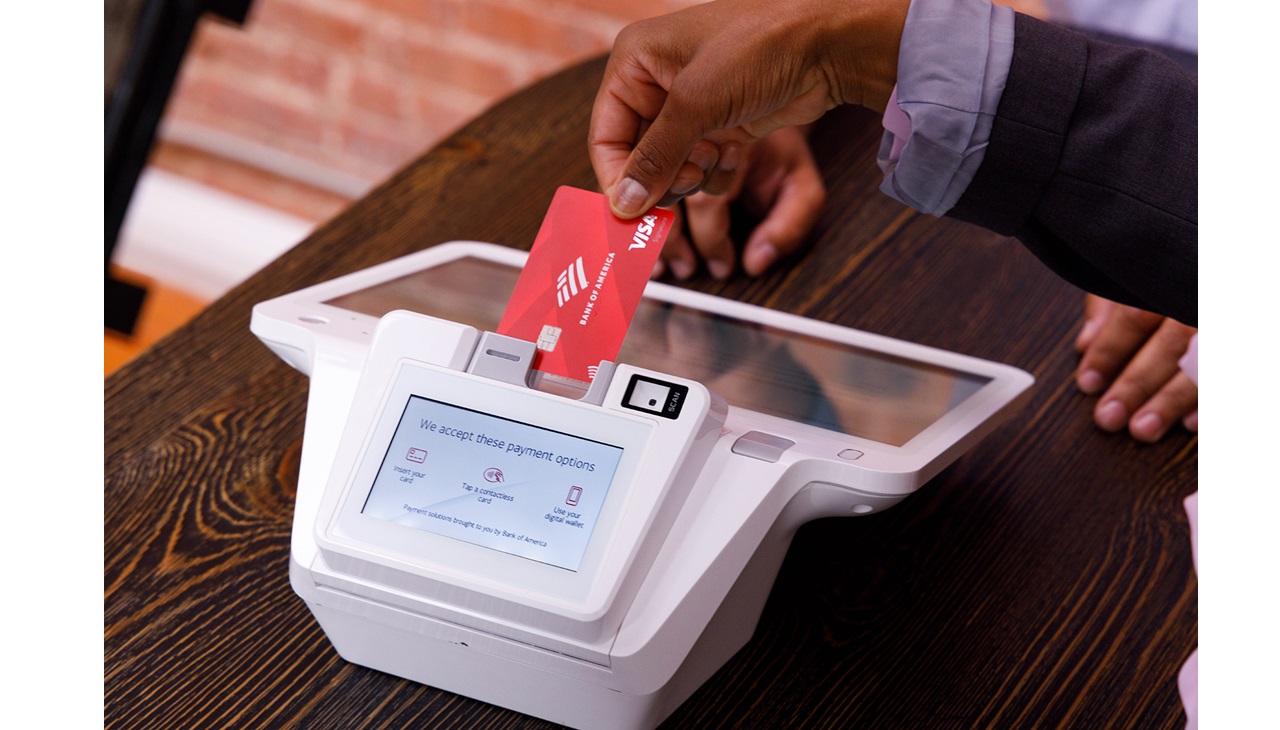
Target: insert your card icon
{"type": "Point", "coordinates": [416, 455]}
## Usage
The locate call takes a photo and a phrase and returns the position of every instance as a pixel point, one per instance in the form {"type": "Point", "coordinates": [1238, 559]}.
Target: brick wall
{"type": "Point", "coordinates": [313, 101]}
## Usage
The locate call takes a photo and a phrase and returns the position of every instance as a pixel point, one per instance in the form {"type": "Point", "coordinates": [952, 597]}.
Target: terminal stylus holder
{"type": "Point", "coordinates": [588, 555]}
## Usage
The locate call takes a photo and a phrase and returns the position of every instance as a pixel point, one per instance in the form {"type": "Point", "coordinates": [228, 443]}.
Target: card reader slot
{"type": "Point", "coordinates": [503, 358]}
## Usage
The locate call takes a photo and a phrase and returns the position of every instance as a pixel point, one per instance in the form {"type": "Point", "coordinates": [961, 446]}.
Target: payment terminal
{"type": "Point", "coordinates": [585, 552]}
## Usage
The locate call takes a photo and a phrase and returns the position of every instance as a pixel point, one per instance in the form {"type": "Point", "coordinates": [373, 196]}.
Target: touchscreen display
{"type": "Point", "coordinates": [839, 387]}
{"type": "Point", "coordinates": [494, 482]}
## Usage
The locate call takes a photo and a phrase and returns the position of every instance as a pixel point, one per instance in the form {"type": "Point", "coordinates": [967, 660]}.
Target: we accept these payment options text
{"type": "Point", "coordinates": [493, 482]}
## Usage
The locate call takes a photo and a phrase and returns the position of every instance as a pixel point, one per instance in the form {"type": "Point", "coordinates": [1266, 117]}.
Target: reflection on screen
{"type": "Point", "coordinates": [493, 482]}
{"type": "Point", "coordinates": [830, 385]}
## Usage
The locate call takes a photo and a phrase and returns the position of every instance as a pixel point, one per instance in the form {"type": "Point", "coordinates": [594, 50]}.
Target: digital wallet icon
{"type": "Point", "coordinates": [574, 494]}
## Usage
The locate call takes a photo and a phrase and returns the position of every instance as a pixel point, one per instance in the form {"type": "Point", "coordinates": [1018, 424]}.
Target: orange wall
{"type": "Point", "coordinates": [359, 87]}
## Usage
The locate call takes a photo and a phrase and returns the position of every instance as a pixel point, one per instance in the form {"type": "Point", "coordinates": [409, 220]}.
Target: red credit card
{"type": "Point", "coordinates": [580, 287]}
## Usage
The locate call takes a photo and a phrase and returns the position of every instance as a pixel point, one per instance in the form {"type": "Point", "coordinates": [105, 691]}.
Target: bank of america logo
{"type": "Point", "coordinates": [571, 281]}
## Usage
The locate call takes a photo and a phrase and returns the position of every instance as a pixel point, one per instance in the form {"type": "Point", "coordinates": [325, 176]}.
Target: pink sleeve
{"type": "Point", "coordinates": [1190, 362]}
{"type": "Point", "coordinates": [897, 124]}
{"type": "Point", "coordinates": [1189, 677]}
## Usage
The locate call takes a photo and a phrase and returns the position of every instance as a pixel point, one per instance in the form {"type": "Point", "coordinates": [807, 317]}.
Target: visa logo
{"type": "Point", "coordinates": [643, 232]}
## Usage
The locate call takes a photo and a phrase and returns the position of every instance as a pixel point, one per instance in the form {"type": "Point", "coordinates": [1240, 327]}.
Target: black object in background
{"type": "Point", "coordinates": [146, 41]}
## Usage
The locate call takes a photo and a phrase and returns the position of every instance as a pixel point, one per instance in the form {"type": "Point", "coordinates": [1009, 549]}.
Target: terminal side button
{"type": "Point", "coordinates": [762, 446]}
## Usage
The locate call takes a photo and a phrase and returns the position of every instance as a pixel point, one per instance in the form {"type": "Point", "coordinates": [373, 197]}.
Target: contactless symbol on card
{"type": "Point", "coordinates": [582, 282]}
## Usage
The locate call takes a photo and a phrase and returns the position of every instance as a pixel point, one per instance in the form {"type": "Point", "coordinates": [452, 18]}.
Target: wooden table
{"type": "Point", "coordinates": [1045, 579]}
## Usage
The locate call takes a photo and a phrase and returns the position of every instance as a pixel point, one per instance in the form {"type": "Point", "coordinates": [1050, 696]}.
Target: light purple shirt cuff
{"type": "Point", "coordinates": [952, 66]}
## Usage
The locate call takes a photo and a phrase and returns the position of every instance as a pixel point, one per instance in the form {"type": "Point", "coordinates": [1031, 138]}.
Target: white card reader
{"type": "Point", "coordinates": [585, 553]}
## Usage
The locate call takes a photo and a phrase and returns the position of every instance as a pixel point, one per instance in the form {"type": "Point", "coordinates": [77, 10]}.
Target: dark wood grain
{"type": "Point", "coordinates": [1044, 580]}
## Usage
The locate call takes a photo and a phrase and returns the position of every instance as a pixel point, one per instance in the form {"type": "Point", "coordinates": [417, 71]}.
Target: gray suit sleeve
{"type": "Point", "coordinates": [1091, 163]}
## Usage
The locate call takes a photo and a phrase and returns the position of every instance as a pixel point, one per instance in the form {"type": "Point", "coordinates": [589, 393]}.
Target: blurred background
{"type": "Point", "coordinates": [275, 124]}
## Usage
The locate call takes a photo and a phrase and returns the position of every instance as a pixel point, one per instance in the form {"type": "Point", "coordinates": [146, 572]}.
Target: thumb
{"type": "Point", "coordinates": [659, 157]}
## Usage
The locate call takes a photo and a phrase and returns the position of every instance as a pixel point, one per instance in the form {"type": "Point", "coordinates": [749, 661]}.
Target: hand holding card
{"type": "Point", "coordinates": [582, 282]}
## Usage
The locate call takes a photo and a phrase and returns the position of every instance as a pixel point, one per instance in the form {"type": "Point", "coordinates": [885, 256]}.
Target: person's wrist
{"type": "Point", "coordinates": [861, 43]}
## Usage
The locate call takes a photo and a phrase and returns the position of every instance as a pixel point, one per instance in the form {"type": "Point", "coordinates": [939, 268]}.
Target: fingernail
{"type": "Point", "coordinates": [1147, 426]}
{"type": "Point", "coordinates": [1089, 329]}
{"type": "Point", "coordinates": [1192, 422]}
{"type": "Point", "coordinates": [683, 188]}
{"type": "Point", "coordinates": [1111, 416]}
{"type": "Point", "coordinates": [629, 197]}
{"type": "Point", "coordinates": [680, 268]}
{"type": "Point", "coordinates": [1090, 381]}
{"type": "Point", "coordinates": [719, 269]}
{"type": "Point", "coordinates": [760, 257]}
{"type": "Point", "coordinates": [701, 158]}
{"type": "Point", "coordinates": [730, 158]}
